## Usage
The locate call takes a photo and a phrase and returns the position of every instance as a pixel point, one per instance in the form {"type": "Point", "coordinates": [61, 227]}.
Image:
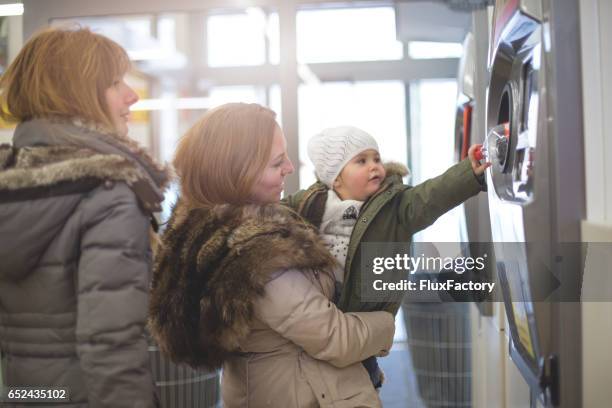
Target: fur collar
{"type": "Point", "coordinates": [52, 158]}
{"type": "Point", "coordinates": [46, 166]}
{"type": "Point", "coordinates": [396, 169]}
{"type": "Point", "coordinates": [45, 171]}
{"type": "Point", "coordinates": [212, 266]}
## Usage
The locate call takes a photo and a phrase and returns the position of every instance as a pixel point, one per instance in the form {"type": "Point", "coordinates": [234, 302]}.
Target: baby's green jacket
{"type": "Point", "coordinates": [393, 214]}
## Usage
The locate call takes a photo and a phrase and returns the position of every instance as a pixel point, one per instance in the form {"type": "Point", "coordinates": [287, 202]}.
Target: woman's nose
{"type": "Point", "coordinates": [288, 167]}
{"type": "Point", "coordinates": [131, 96]}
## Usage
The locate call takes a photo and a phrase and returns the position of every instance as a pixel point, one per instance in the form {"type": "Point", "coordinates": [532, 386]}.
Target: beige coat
{"type": "Point", "coordinates": [304, 352]}
{"type": "Point", "coordinates": [232, 289]}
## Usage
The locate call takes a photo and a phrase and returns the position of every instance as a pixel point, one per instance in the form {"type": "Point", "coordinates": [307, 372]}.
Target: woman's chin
{"type": "Point", "coordinates": [122, 130]}
{"type": "Point", "coordinates": [271, 199]}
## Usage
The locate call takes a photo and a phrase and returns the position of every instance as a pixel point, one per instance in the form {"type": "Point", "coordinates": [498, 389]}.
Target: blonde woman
{"type": "Point", "coordinates": [244, 284]}
{"type": "Point", "coordinates": [75, 202]}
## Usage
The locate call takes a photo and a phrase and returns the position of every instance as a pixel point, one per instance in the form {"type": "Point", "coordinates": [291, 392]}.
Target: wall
{"type": "Point", "coordinates": [596, 33]}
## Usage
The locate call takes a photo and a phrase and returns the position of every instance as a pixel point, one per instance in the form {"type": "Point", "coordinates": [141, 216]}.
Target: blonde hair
{"type": "Point", "coordinates": [222, 156]}
{"type": "Point", "coordinates": [62, 73]}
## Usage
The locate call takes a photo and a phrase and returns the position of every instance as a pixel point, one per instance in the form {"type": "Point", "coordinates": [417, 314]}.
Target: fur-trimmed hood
{"type": "Point", "coordinates": [34, 172]}
{"type": "Point", "coordinates": [211, 267]}
{"type": "Point", "coordinates": [396, 169]}
{"type": "Point", "coordinates": [47, 155]}
{"type": "Point", "coordinates": [44, 175]}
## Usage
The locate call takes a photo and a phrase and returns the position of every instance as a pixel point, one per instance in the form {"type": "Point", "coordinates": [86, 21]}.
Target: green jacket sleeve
{"type": "Point", "coordinates": [421, 205]}
{"type": "Point", "coordinates": [293, 200]}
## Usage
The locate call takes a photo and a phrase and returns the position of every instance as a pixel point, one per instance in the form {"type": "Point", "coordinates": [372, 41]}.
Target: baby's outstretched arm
{"type": "Point", "coordinates": [422, 204]}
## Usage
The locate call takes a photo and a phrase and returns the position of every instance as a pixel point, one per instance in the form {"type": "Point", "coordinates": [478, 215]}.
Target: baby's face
{"type": "Point", "coordinates": [361, 177]}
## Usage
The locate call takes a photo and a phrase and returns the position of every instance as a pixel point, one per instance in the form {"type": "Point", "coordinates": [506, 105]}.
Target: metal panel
{"type": "Point", "coordinates": [568, 200]}
{"type": "Point", "coordinates": [536, 184]}
{"type": "Point", "coordinates": [478, 228]}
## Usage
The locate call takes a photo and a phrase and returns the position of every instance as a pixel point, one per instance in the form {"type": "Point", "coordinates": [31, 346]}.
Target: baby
{"type": "Point", "coordinates": [358, 199]}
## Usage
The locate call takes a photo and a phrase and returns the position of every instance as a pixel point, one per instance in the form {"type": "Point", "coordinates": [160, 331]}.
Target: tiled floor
{"type": "Point", "coordinates": [400, 388]}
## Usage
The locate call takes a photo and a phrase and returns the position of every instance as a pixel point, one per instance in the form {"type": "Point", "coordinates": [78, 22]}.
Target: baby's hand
{"type": "Point", "coordinates": [477, 167]}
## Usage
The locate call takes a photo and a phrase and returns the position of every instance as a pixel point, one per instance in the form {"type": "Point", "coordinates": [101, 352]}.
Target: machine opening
{"type": "Point", "coordinates": [527, 81]}
{"type": "Point", "coordinates": [504, 118]}
{"type": "Point", "coordinates": [504, 108]}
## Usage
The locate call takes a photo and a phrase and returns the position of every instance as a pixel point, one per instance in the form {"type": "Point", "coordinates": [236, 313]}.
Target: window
{"type": "Point", "coordinates": [347, 34]}
{"type": "Point", "coordinates": [433, 127]}
{"type": "Point", "coordinates": [266, 96]}
{"type": "Point", "coordinates": [225, 94]}
{"type": "Point", "coordinates": [430, 50]}
{"type": "Point", "coordinates": [378, 107]}
{"type": "Point", "coordinates": [136, 35]}
{"type": "Point", "coordinates": [246, 38]}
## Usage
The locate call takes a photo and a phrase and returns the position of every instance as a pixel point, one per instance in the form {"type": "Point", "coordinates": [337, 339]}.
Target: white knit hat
{"type": "Point", "coordinates": [331, 149]}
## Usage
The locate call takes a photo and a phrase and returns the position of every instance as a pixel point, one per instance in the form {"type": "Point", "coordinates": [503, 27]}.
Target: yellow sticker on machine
{"type": "Point", "coordinates": [522, 326]}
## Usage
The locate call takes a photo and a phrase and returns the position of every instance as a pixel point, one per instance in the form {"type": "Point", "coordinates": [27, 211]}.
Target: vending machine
{"type": "Point", "coordinates": [475, 232]}
{"type": "Point", "coordinates": [465, 98]}
{"type": "Point", "coordinates": [536, 190]}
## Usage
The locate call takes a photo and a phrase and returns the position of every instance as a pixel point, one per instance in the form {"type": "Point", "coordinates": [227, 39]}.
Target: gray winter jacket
{"type": "Point", "coordinates": [75, 269]}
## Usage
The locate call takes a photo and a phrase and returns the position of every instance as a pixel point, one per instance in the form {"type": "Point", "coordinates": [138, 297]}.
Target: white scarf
{"type": "Point", "coordinates": [337, 226]}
